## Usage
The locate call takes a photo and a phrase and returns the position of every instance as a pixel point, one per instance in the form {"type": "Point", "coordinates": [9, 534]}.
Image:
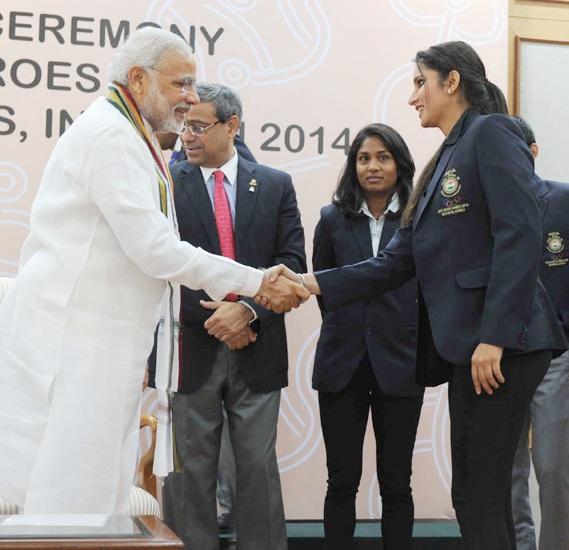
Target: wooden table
{"type": "Point", "coordinates": [159, 537]}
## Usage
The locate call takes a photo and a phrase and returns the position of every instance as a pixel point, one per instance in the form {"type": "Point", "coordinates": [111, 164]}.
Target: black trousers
{"type": "Point", "coordinates": [344, 418]}
{"type": "Point", "coordinates": [485, 431]}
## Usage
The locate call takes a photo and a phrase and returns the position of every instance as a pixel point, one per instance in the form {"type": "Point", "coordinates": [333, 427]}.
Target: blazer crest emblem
{"type": "Point", "coordinates": [452, 202]}
{"type": "Point", "coordinates": [451, 183]}
{"type": "Point", "coordinates": [555, 242]}
{"type": "Point", "coordinates": [555, 246]}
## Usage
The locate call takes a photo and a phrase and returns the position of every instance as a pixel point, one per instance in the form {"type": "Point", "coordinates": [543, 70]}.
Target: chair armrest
{"type": "Point", "coordinates": [146, 479]}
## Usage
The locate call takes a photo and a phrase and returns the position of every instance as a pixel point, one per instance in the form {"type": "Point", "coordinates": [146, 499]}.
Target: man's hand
{"type": "Point", "coordinates": [485, 368]}
{"type": "Point", "coordinates": [274, 272]}
{"type": "Point", "coordinates": [308, 280]}
{"type": "Point", "coordinates": [282, 294]}
{"type": "Point", "coordinates": [228, 320]}
{"type": "Point", "coordinates": [241, 340]}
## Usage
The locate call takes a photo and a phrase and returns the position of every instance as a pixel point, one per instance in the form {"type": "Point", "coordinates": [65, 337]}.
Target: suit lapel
{"type": "Point", "coordinates": [390, 226]}
{"type": "Point", "coordinates": [193, 186]}
{"type": "Point", "coordinates": [449, 147]}
{"type": "Point", "coordinates": [434, 183]}
{"type": "Point", "coordinates": [245, 200]}
{"type": "Point", "coordinates": [360, 229]}
{"type": "Point", "coordinates": [543, 198]}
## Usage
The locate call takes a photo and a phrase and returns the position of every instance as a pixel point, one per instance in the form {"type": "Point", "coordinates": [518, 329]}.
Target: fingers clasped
{"type": "Point", "coordinates": [281, 290]}
{"type": "Point", "coordinates": [229, 319]}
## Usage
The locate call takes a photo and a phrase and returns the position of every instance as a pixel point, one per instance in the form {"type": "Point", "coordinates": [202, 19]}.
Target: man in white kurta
{"type": "Point", "coordinates": [77, 329]}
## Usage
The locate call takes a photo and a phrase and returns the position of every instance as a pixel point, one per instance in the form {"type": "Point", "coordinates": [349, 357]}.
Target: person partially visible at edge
{"type": "Point", "coordinates": [472, 235]}
{"type": "Point", "coordinates": [100, 268]}
{"type": "Point", "coordinates": [548, 413]}
{"type": "Point", "coordinates": [365, 356]}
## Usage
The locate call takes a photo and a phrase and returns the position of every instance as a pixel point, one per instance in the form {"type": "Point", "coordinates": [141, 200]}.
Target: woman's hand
{"type": "Point", "coordinates": [308, 280]}
{"type": "Point", "coordinates": [485, 366]}
{"type": "Point", "coordinates": [306, 284]}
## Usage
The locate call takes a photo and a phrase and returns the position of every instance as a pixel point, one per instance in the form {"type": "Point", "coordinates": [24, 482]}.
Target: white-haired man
{"type": "Point", "coordinates": [101, 267]}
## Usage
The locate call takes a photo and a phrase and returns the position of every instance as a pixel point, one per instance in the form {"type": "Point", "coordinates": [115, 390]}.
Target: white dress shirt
{"type": "Point", "coordinates": [376, 224]}
{"type": "Point", "coordinates": [230, 182]}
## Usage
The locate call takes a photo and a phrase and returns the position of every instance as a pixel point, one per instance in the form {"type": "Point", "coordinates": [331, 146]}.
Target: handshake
{"type": "Point", "coordinates": [283, 289]}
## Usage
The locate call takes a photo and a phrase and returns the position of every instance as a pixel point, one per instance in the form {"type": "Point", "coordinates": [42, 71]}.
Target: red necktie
{"type": "Point", "coordinates": [223, 222]}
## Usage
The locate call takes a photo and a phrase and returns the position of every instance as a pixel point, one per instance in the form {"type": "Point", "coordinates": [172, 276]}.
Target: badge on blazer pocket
{"type": "Point", "coordinates": [555, 256]}
{"type": "Point", "coordinates": [452, 202]}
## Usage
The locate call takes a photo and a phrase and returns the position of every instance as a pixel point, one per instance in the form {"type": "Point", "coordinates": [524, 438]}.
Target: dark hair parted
{"type": "Point", "coordinates": [348, 195]}
{"type": "Point", "coordinates": [480, 94]}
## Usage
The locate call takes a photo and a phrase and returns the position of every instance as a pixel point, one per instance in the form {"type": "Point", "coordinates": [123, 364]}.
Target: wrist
{"type": "Point", "coordinates": [249, 314]}
{"type": "Point", "coordinates": [311, 283]}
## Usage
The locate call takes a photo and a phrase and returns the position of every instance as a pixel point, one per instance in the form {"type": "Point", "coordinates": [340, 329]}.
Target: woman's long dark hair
{"type": "Point", "coordinates": [477, 90]}
{"type": "Point", "coordinates": [348, 195]}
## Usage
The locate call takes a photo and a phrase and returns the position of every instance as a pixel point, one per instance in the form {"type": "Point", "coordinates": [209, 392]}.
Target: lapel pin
{"type": "Point", "coordinates": [252, 185]}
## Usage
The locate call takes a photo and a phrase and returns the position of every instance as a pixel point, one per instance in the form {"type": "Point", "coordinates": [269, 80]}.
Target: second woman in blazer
{"type": "Point", "coordinates": [365, 357]}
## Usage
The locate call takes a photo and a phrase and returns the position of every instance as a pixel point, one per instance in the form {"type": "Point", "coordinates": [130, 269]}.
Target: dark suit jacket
{"type": "Point", "coordinates": [384, 327]}
{"type": "Point", "coordinates": [267, 232]}
{"type": "Point", "coordinates": [475, 247]}
{"type": "Point", "coordinates": [554, 270]}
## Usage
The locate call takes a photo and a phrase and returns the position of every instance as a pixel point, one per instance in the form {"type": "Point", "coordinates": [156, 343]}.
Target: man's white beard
{"type": "Point", "coordinates": [156, 110]}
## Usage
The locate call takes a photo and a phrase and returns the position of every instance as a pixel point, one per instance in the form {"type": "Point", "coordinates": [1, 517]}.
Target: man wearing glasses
{"type": "Point", "coordinates": [101, 267]}
{"type": "Point", "coordinates": [234, 353]}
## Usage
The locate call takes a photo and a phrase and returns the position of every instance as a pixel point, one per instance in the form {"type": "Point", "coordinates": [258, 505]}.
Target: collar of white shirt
{"type": "Point", "coordinates": [392, 207]}
{"type": "Point", "coordinates": [229, 169]}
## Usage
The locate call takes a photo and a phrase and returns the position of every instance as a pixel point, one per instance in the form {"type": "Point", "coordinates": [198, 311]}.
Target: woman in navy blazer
{"type": "Point", "coordinates": [471, 234]}
{"type": "Point", "coordinates": [365, 357]}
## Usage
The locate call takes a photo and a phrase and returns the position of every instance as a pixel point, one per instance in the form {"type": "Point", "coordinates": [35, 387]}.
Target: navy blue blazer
{"type": "Point", "coordinates": [554, 269]}
{"type": "Point", "coordinates": [475, 248]}
{"type": "Point", "coordinates": [384, 327]}
{"type": "Point", "coordinates": [268, 231]}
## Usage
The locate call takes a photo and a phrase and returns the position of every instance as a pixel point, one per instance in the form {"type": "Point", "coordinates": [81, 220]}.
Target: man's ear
{"type": "Point", "coordinates": [233, 124]}
{"type": "Point", "coordinates": [137, 80]}
{"type": "Point", "coordinates": [534, 148]}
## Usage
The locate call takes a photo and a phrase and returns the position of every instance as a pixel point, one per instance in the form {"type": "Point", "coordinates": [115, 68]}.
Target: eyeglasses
{"type": "Point", "coordinates": [198, 130]}
{"type": "Point", "coordinates": [184, 87]}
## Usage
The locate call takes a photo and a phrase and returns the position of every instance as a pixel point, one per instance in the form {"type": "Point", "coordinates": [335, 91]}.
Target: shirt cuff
{"type": "Point", "coordinates": [249, 306]}
{"type": "Point", "coordinates": [253, 283]}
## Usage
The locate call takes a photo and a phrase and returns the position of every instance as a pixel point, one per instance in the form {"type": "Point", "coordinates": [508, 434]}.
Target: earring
{"type": "Point", "coordinates": [449, 91]}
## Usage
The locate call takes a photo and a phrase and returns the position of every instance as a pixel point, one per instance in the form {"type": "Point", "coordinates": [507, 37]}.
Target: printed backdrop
{"type": "Point", "coordinates": [310, 73]}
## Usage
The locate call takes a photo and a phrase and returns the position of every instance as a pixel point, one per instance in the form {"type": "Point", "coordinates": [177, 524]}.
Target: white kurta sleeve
{"type": "Point", "coordinates": [116, 175]}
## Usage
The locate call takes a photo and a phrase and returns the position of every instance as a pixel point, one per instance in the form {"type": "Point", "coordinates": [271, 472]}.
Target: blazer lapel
{"type": "Point", "coordinates": [434, 183]}
{"type": "Point", "coordinates": [543, 198]}
{"type": "Point", "coordinates": [246, 199]}
{"type": "Point", "coordinates": [449, 147]}
{"type": "Point", "coordinates": [360, 229]}
{"type": "Point", "coordinates": [195, 190]}
{"type": "Point", "coordinates": [390, 226]}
